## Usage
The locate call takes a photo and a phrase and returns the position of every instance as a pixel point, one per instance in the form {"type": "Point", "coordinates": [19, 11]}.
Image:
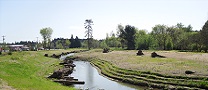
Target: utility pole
{"type": "Point", "coordinates": [37, 39]}
{"type": "Point", "coordinates": [3, 43]}
{"type": "Point", "coordinates": [3, 38]}
{"type": "Point", "coordinates": [37, 44]}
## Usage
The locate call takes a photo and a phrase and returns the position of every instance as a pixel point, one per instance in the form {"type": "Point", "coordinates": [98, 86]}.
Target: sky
{"type": "Point", "coordinates": [21, 20]}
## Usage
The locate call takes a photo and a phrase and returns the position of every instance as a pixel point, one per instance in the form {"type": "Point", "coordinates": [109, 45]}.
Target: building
{"type": "Point", "coordinates": [1, 49]}
{"type": "Point", "coordinates": [18, 48]}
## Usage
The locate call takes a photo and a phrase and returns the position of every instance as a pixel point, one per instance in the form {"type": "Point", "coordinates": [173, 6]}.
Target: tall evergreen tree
{"type": "Point", "coordinates": [72, 45]}
{"type": "Point", "coordinates": [204, 35]}
{"type": "Point", "coordinates": [77, 42]}
{"type": "Point", "coordinates": [88, 26]}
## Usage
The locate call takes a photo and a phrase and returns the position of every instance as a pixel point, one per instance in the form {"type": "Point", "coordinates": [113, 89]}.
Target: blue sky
{"type": "Point", "coordinates": [21, 20]}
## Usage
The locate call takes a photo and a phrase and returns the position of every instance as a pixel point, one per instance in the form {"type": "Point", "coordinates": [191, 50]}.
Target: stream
{"type": "Point", "coordinates": [84, 71]}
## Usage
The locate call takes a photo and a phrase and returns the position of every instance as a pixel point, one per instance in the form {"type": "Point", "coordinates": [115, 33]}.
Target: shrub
{"type": "Point", "coordinates": [140, 53]}
{"type": "Point", "coordinates": [9, 53]}
{"type": "Point", "coordinates": [46, 55]}
{"type": "Point", "coordinates": [106, 50]}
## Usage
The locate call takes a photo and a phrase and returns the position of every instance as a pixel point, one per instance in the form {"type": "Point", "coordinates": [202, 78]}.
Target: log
{"type": "Point", "coordinates": [70, 65]}
{"type": "Point", "coordinates": [69, 82]}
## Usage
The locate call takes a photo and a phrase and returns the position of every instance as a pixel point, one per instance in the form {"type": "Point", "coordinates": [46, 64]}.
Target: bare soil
{"type": "Point", "coordinates": [5, 86]}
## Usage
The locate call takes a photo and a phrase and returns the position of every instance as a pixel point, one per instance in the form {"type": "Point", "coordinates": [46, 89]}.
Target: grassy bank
{"type": "Point", "coordinates": [27, 70]}
{"type": "Point", "coordinates": [127, 67]}
{"type": "Point", "coordinates": [176, 63]}
{"type": "Point", "coordinates": [154, 80]}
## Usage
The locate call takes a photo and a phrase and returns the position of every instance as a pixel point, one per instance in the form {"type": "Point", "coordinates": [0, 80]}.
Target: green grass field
{"type": "Point", "coordinates": [28, 71]}
{"type": "Point", "coordinates": [144, 70]}
{"type": "Point", "coordinates": [175, 63]}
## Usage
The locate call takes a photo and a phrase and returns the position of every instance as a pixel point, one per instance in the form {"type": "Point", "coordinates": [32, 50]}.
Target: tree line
{"type": "Point", "coordinates": [162, 37]}
{"type": "Point", "coordinates": [61, 43]}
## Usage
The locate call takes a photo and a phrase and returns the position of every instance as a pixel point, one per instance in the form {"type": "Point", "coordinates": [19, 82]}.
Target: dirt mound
{"type": "Point", "coordinates": [139, 53]}
{"type": "Point", "coordinates": [154, 54]}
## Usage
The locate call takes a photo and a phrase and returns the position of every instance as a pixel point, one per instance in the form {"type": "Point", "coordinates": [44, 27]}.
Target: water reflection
{"type": "Point", "coordinates": [89, 76]}
{"type": "Point", "coordinates": [93, 81]}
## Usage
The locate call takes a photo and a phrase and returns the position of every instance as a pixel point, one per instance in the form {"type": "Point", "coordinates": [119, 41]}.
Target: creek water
{"type": "Point", "coordinates": [64, 56]}
{"type": "Point", "coordinates": [84, 71]}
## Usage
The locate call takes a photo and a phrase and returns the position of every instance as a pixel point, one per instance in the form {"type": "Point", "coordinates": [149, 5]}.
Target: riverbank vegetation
{"type": "Point", "coordinates": [144, 70]}
{"type": "Point", "coordinates": [162, 37]}
{"type": "Point", "coordinates": [28, 70]}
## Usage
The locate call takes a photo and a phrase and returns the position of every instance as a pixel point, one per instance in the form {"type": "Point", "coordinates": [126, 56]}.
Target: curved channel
{"type": "Point", "coordinates": [84, 71]}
